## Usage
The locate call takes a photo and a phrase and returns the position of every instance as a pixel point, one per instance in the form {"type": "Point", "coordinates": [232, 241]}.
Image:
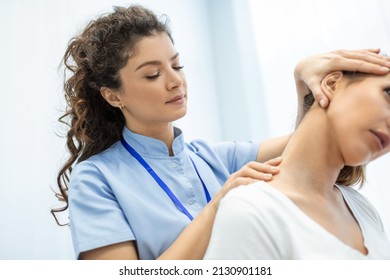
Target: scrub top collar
{"type": "Point", "coordinates": [147, 146]}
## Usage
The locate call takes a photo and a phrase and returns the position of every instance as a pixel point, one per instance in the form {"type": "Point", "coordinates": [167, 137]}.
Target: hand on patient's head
{"type": "Point", "coordinates": [313, 69]}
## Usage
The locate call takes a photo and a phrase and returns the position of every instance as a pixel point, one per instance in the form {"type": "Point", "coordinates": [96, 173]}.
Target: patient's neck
{"type": "Point", "coordinates": [311, 159]}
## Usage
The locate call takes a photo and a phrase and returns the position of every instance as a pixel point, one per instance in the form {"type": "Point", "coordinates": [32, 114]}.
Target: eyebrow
{"type": "Point", "coordinates": [155, 62]}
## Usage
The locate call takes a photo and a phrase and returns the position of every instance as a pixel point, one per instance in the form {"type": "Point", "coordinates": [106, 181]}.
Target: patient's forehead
{"type": "Point", "coordinates": [373, 77]}
{"type": "Point", "coordinates": [385, 77]}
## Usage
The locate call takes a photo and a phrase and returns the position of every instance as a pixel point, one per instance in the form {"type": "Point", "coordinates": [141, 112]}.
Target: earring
{"type": "Point", "coordinates": [121, 106]}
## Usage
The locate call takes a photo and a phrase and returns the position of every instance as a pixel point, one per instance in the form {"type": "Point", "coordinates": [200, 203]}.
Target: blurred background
{"type": "Point", "coordinates": [239, 57]}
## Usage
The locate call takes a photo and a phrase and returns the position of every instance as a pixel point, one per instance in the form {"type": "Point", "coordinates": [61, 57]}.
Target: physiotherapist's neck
{"type": "Point", "coordinates": [163, 132]}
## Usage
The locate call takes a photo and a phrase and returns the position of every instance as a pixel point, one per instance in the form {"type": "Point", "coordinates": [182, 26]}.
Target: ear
{"type": "Point", "coordinates": [330, 83]}
{"type": "Point", "coordinates": [111, 96]}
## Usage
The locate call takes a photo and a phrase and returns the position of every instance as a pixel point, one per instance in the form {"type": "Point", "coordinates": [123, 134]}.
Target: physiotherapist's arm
{"type": "Point", "coordinates": [272, 148]}
{"type": "Point", "coordinates": [191, 244]}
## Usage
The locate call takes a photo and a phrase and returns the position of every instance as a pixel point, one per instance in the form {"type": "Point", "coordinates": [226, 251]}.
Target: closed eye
{"type": "Point", "coordinates": [387, 94]}
{"type": "Point", "coordinates": [387, 90]}
{"type": "Point", "coordinates": [153, 77]}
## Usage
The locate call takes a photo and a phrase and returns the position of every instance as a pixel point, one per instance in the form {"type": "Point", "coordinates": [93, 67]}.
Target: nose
{"type": "Point", "coordinates": [175, 79]}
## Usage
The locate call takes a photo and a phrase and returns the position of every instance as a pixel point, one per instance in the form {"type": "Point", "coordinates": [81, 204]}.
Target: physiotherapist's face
{"type": "Point", "coordinates": [154, 88]}
{"type": "Point", "coordinates": [360, 113]}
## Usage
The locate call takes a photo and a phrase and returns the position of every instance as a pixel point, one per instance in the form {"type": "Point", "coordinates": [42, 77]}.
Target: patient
{"type": "Point", "coordinates": [310, 210]}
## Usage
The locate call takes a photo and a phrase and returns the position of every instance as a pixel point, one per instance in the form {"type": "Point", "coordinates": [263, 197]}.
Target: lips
{"type": "Point", "coordinates": [176, 98]}
{"type": "Point", "coordinates": [383, 138]}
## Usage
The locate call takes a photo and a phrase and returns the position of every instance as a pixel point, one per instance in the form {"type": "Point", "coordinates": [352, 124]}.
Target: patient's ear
{"type": "Point", "coordinates": [111, 96]}
{"type": "Point", "coordinates": [330, 83]}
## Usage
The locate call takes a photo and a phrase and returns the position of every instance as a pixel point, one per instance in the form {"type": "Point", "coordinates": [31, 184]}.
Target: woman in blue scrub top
{"type": "Point", "coordinates": [135, 189]}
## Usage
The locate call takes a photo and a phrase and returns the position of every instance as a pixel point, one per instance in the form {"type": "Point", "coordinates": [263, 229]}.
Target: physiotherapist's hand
{"type": "Point", "coordinates": [250, 173]}
{"type": "Point", "coordinates": [310, 71]}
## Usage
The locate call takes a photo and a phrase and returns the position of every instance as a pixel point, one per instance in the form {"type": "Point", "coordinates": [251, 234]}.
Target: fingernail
{"type": "Point", "coordinates": [267, 176]}
{"type": "Point", "coordinates": [322, 103]}
{"type": "Point", "coordinates": [273, 168]}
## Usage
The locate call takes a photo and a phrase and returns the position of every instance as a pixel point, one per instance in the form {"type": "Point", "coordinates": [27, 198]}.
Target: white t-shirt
{"type": "Point", "coordinates": [259, 222]}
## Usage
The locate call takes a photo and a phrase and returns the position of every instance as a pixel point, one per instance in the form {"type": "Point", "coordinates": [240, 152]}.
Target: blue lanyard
{"type": "Point", "coordinates": [161, 182]}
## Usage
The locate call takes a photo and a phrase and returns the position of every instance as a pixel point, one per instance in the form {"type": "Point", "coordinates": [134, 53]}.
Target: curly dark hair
{"type": "Point", "coordinates": [93, 60]}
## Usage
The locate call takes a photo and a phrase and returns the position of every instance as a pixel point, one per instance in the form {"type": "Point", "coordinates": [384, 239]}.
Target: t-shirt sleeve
{"type": "Point", "coordinates": [96, 218]}
{"type": "Point", "coordinates": [242, 231]}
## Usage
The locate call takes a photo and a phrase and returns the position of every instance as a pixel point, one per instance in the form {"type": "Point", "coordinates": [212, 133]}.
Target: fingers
{"type": "Point", "coordinates": [250, 173]}
{"type": "Point", "coordinates": [230, 184]}
{"type": "Point", "coordinates": [370, 65]}
{"type": "Point", "coordinates": [241, 181]}
{"type": "Point", "coordinates": [362, 54]}
{"type": "Point", "coordinates": [319, 95]}
{"type": "Point", "coordinates": [274, 161]}
{"type": "Point", "coordinates": [256, 175]}
{"type": "Point", "coordinates": [374, 50]}
{"type": "Point", "coordinates": [236, 182]}
{"type": "Point", "coordinates": [257, 171]}
{"type": "Point", "coordinates": [257, 167]}
{"type": "Point", "coordinates": [366, 61]}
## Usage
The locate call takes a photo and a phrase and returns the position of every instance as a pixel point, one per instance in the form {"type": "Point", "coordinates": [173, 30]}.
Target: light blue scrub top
{"type": "Point", "coordinates": [112, 198]}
